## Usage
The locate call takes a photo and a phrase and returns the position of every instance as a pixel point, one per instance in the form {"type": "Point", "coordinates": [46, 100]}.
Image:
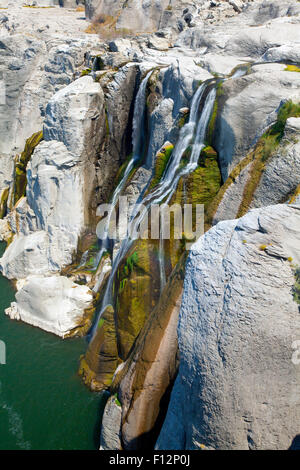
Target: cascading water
{"type": "Point", "coordinates": [198, 145]}
{"type": "Point", "coordinates": [137, 139]}
{"type": "Point", "coordinates": [165, 190]}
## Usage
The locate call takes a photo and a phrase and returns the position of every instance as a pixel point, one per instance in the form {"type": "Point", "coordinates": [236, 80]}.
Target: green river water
{"type": "Point", "coordinates": [43, 404]}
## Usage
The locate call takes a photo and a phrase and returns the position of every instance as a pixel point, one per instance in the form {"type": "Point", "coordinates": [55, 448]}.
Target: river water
{"type": "Point", "coordinates": [43, 404]}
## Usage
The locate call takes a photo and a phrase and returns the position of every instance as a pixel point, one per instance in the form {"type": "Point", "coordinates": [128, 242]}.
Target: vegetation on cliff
{"type": "Point", "coordinates": [21, 163]}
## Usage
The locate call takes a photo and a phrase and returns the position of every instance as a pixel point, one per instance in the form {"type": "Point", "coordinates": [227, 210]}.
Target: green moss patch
{"type": "Point", "coordinates": [3, 202]}
{"type": "Point", "coordinates": [21, 165]}
{"type": "Point", "coordinates": [265, 148]}
{"type": "Point", "coordinates": [137, 289]}
{"type": "Point", "coordinates": [161, 162]}
{"type": "Point", "coordinates": [101, 360]}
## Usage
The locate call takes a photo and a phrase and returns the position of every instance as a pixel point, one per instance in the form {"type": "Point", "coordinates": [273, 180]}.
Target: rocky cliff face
{"type": "Point", "coordinates": [238, 322]}
{"type": "Point", "coordinates": [192, 102]}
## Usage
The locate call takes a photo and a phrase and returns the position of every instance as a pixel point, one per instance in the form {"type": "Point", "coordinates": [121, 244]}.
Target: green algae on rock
{"type": "Point", "coordinates": [161, 162]}
{"type": "Point", "coordinates": [21, 165]}
{"type": "Point", "coordinates": [101, 359]}
{"type": "Point", "coordinates": [144, 383]}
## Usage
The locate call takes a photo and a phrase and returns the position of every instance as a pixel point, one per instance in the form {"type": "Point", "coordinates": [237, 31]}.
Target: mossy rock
{"type": "Point", "coordinates": [209, 152]}
{"type": "Point", "coordinates": [3, 202]}
{"type": "Point", "coordinates": [146, 376]}
{"type": "Point", "coordinates": [264, 150]}
{"type": "Point", "coordinates": [85, 72]}
{"type": "Point", "coordinates": [101, 359]}
{"type": "Point", "coordinates": [258, 157]}
{"type": "Point", "coordinates": [161, 161]}
{"type": "Point", "coordinates": [21, 165]}
{"type": "Point", "coordinates": [202, 185]}
{"type": "Point", "coordinates": [137, 289]}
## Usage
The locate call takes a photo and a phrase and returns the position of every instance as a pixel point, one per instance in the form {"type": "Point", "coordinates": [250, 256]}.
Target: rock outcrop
{"type": "Point", "coordinates": [264, 176]}
{"type": "Point", "coordinates": [237, 386]}
{"type": "Point", "coordinates": [39, 56]}
{"type": "Point", "coordinates": [250, 106]}
{"type": "Point", "coordinates": [56, 210]}
{"type": "Point", "coordinates": [54, 303]}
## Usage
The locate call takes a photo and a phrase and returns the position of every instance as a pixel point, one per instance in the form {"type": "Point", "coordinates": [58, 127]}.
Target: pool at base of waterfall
{"type": "Point", "coordinates": [43, 404]}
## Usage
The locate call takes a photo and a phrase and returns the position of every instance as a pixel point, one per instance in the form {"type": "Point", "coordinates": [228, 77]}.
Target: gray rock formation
{"type": "Point", "coordinates": [238, 381]}
{"type": "Point", "coordinates": [110, 431]}
{"type": "Point", "coordinates": [251, 105]}
{"type": "Point", "coordinates": [56, 210]}
{"type": "Point", "coordinates": [60, 179]}
{"type": "Point", "coordinates": [282, 174]}
{"type": "Point", "coordinates": [278, 181]}
{"type": "Point", "coordinates": [40, 55]}
{"type": "Point", "coordinates": [237, 386]}
{"type": "Point", "coordinates": [151, 15]}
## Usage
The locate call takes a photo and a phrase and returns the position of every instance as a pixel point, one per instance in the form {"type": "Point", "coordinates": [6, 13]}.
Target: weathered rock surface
{"type": "Point", "coordinates": [110, 432]}
{"type": "Point", "coordinates": [278, 179]}
{"type": "Point", "coordinates": [41, 52]}
{"type": "Point", "coordinates": [152, 15]}
{"type": "Point", "coordinates": [144, 381]}
{"type": "Point", "coordinates": [47, 223]}
{"type": "Point", "coordinates": [55, 304]}
{"type": "Point", "coordinates": [250, 106]}
{"type": "Point", "coordinates": [60, 178]}
{"type": "Point", "coordinates": [237, 386]}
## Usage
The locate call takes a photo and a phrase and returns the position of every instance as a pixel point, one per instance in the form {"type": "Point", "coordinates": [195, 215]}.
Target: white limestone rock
{"type": "Point", "coordinates": [55, 304]}
{"type": "Point", "coordinates": [160, 44]}
{"type": "Point", "coordinates": [60, 180]}
{"type": "Point", "coordinates": [72, 117]}
{"type": "Point", "coordinates": [238, 382]}
{"type": "Point", "coordinates": [220, 64]}
{"type": "Point", "coordinates": [292, 127]}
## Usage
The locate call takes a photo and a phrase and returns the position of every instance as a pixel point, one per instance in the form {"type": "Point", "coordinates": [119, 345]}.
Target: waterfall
{"type": "Point", "coordinates": [198, 145]}
{"type": "Point", "coordinates": [138, 118]}
{"type": "Point", "coordinates": [166, 188]}
{"type": "Point", "coordinates": [137, 141]}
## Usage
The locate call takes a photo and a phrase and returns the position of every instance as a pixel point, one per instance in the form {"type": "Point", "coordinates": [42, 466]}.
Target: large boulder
{"type": "Point", "coordinates": [239, 326]}
{"type": "Point", "coordinates": [48, 222]}
{"type": "Point", "coordinates": [55, 304]}
{"type": "Point", "coordinates": [32, 71]}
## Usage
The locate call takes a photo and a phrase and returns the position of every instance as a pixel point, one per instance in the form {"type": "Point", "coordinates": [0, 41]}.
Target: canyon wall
{"type": "Point", "coordinates": [203, 107]}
